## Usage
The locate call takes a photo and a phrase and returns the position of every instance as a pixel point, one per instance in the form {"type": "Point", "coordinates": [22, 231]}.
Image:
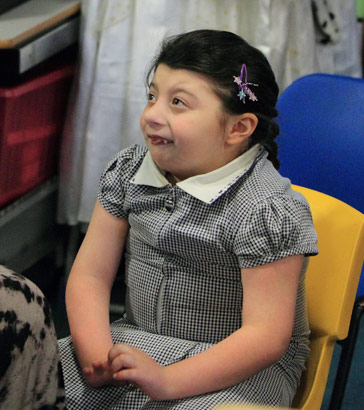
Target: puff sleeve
{"type": "Point", "coordinates": [277, 227]}
{"type": "Point", "coordinates": [115, 181]}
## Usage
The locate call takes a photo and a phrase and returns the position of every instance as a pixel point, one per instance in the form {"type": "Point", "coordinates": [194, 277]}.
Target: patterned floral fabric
{"type": "Point", "coordinates": [30, 371]}
{"type": "Point", "coordinates": [184, 290]}
{"type": "Point", "coordinates": [326, 24]}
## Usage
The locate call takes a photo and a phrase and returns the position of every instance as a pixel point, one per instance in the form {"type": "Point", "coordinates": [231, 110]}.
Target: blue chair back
{"type": "Point", "coordinates": [321, 142]}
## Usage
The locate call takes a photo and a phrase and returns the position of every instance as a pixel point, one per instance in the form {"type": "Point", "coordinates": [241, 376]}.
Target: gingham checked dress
{"type": "Point", "coordinates": [186, 246]}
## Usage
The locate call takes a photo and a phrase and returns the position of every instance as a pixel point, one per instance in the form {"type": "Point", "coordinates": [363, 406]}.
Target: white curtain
{"type": "Point", "coordinates": [118, 40]}
{"type": "Point", "coordinates": [343, 55]}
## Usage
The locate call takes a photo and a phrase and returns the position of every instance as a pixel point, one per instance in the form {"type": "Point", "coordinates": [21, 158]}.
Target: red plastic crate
{"type": "Point", "coordinates": [31, 121]}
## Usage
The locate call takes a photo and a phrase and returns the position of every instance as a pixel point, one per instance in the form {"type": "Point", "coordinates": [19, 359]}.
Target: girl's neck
{"type": "Point", "coordinates": [171, 178]}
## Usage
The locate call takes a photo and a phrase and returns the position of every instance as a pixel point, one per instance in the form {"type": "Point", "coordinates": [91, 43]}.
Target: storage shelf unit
{"type": "Point", "coordinates": [28, 229]}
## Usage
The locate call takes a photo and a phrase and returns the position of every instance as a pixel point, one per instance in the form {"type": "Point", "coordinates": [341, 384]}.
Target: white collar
{"type": "Point", "coordinates": [206, 187]}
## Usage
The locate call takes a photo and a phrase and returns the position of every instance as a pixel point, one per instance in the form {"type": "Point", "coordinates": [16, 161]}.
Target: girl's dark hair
{"type": "Point", "coordinates": [219, 56]}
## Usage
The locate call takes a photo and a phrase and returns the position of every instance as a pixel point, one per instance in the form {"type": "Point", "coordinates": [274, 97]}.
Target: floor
{"type": "Point", "coordinates": [54, 287]}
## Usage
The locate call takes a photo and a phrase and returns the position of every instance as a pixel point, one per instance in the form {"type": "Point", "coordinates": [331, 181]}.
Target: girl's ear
{"type": "Point", "coordinates": [242, 129]}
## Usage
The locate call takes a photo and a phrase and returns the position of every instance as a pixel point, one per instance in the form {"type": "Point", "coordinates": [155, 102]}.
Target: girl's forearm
{"type": "Point", "coordinates": [87, 302]}
{"type": "Point", "coordinates": [89, 285]}
{"type": "Point", "coordinates": [233, 360]}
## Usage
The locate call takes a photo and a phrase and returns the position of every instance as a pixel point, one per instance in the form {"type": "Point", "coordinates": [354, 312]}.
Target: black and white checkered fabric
{"type": "Point", "coordinates": [184, 290]}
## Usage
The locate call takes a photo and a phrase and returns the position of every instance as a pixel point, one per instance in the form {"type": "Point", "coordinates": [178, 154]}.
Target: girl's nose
{"type": "Point", "coordinates": [154, 114]}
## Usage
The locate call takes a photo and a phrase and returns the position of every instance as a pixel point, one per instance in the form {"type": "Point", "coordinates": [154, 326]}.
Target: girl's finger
{"type": "Point", "coordinates": [122, 361]}
{"type": "Point", "coordinates": [126, 376]}
{"type": "Point", "coordinates": [117, 350]}
{"type": "Point", "coordinates": [87, 371]}
{"type": "Point", "coordinates": [98, 367]}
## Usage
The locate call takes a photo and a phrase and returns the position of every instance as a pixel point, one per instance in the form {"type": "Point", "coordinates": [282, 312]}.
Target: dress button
{"type": "Point", "coordinates": [169, 205]}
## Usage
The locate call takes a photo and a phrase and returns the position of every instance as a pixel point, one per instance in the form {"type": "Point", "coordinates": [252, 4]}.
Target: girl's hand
{"type": "Point", "coordinates": [99, 374]}
{"type": "Point", "coordinates": [131, 365]}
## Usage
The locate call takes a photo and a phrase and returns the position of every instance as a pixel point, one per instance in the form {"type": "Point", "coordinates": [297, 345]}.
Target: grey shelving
{"type": "Point", "coordinates": [28, 229]}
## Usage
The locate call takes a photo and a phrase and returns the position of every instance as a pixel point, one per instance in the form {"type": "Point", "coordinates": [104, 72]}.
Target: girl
{"type": "Point", "coordinates": [215, 244]}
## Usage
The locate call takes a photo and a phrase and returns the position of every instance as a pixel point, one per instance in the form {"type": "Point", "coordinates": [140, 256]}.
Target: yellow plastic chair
{"type": "Point", "coordinates": [331, 284]}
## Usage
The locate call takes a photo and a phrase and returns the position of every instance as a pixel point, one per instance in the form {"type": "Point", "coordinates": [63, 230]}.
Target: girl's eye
{"type": "Point", "coordinates": [151, 97]}
{"type": "Point", "coordinates": [177, 101]}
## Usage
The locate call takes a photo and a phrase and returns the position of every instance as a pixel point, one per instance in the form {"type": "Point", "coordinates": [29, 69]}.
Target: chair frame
{"type": "Point", "coordinates": [347, 352]}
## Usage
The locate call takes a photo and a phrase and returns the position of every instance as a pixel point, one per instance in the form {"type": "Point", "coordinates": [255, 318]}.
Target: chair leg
{"type": "Point", "coordinates": [347, 351]}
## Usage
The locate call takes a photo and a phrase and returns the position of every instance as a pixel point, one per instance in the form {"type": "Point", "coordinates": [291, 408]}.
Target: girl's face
{"type": "Point", "coordinates": [183, 126]}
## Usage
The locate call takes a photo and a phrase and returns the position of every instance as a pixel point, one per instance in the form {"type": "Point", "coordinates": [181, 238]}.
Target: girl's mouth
{"type": "Point", "coordinates": [156, 140]}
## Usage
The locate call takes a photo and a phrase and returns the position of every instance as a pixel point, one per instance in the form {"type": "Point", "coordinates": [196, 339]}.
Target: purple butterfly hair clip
{"type": "Point", "coordinates": [245, 91]}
